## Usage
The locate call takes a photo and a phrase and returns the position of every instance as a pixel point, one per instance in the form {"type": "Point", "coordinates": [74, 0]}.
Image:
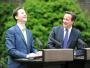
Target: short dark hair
{"type": "Point", "coordinates": [15, 12]}
{"type": "Point", "coordinates": [71, 13]}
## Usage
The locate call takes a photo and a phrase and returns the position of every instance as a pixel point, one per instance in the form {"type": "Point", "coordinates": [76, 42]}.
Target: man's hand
{"type": "Point", "coordinates": [39, 53]}
{"type": "Point", "coordinates": [34, 55]}
{"type": "Point", "coordinates": [31, 55]}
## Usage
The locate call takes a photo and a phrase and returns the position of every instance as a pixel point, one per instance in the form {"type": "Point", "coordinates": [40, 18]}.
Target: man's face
{"type": "Point", "coordinates": [21, 16]}
{"type": "Point", "coordinates": [67, 21]}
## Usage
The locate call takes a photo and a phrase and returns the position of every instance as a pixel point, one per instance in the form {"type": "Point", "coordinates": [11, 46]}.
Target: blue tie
{"type": "Point", "coordinates": [65, 39]}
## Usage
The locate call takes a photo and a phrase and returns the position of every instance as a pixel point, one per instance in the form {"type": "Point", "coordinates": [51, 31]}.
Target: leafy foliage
{"type": "Point", "coordinates": [44, 14]}
{"type": "Point", "coordinates": [5, 16]}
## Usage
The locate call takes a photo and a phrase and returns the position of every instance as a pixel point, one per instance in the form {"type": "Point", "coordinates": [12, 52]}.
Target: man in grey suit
{"type": "Point", "coordinates": [19, 40]}
{"type": "Point", "coordinates": [59, 34]}
{"type": "Point", "coordinates": [66, 35]}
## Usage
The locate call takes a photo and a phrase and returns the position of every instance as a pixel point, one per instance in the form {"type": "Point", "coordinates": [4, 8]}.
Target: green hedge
{"type": "Point", "coordinates": [44, 14]}
{"type": "Point", "coordinates": [5, 17]}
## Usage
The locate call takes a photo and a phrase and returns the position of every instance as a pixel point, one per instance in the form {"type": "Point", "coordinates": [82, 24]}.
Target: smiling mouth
{"type": "Point", "coordinates": [65, 23]}
{"type": "Point", "coordinates": [24, 17]}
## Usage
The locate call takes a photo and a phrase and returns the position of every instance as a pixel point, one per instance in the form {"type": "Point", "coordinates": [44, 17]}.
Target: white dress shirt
{"type": "Point", "coordinates": [23, 29]}
{"type": "Point", "coordinates": [69, 31]}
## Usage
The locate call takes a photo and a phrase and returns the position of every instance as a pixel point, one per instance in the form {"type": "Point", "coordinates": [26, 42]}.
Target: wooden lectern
{"type": "Point", "coordinates": [87, 53]}
{"type": "Point", "coordinates": [57, 55]}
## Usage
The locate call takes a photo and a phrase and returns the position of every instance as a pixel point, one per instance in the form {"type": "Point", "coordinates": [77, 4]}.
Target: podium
{"type": "Point", "coordinates": [57, 55]}
{"type": "Point", "coordinates": [52, 58]}
{"type": "Point", "coordinates": [56, 58]}
{"type": "Point", "coordinates": [87, 57]}
{"type": "Point", "coordinates": [87, 53]}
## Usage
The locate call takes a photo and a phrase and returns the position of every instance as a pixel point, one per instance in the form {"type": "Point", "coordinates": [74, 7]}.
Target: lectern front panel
{"type": "Point", "coordinates": [54, 55]}
{"type": "Point", "coordinates": [87, 53]}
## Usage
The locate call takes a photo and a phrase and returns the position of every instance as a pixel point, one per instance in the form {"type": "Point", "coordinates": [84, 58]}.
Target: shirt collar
{"type": "Point", "coordinates": [68, 29]}
{"type": "Point", "coordinates": [21, 26]}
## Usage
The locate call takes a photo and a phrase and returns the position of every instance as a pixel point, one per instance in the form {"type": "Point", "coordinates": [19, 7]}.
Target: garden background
{"type": "Point", "coordinates": [42, 16]}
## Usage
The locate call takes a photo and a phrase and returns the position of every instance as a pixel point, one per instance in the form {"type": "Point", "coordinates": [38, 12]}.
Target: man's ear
{"type": "Point", "coordinates": [16, 17]}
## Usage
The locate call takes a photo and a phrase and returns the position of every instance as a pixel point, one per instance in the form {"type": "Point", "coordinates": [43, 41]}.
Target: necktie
{"type": "Point", "coordinates": [24, 34]}
{"type": "Point", "coordinates": [24, 29]}
{"type": "Point", "coordinates": [65, 39]}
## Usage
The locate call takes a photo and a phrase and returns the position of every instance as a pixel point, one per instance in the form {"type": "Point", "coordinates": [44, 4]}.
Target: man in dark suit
{"type": "Point", "coordinates": [66, 35]}
{"type": "Point", "coordinates": [19, 40]}
{"type": "Point", "coordinates": [59, 32]}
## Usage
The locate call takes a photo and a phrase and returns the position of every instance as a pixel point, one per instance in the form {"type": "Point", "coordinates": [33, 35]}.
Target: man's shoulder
{"type": "Point", "coordinates": [57, 27]}
{"type": "Point", "coordinates": [76, 30]}
{"type": "Point", "coordinates": [29, 30]}
{"type": "Point", "coordinates": [11, 29]}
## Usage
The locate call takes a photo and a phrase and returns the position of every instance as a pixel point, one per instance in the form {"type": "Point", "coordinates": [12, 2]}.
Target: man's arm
{"type": "Point", "coordinates": [50, 42]}
{"type": "Point", "coordinates": [80, 45]}
{"type": "Point", "coordinates": [10, 44]}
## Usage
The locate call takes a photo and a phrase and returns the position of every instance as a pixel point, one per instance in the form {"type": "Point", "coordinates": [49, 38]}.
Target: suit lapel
{"type": "Point", "coordinates": [20, 33]}
{"type": "Point", "coordinates": [70, 37]}
{"type": "Point", "coordinates": [27, 36]}
{"type": "Point", "coordinates": [60, 35]}
{"type": "Point", "coordinates": [28, 40]}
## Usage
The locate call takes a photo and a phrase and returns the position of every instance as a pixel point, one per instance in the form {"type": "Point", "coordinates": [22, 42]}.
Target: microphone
{"type": "Point", "coordinates": [80, 52]}
{"type": "Point", "coordinates": [56, 42]}
{"type": "Point", "coordinates": [82, 42]}
{"type": "Point", "coordinates": [39, 43]}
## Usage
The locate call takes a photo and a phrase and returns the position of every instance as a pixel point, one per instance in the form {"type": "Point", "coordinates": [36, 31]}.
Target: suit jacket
{"type": "Point", "coordinates": [57, 34]}
{"type": "Point", "coordinates": [17, 47]}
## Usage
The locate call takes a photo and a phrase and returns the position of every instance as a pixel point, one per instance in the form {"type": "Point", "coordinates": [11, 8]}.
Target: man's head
{"type": "Point", "coordinates": [20, 15]}
{"type": "Point", "coordinates": [68, 19]}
